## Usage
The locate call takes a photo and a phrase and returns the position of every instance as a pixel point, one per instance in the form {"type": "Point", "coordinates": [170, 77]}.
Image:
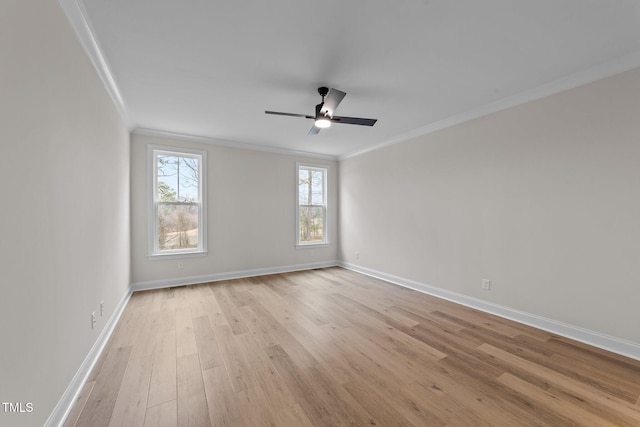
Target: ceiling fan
{"type": "Point", "coordinates": [324, 112]}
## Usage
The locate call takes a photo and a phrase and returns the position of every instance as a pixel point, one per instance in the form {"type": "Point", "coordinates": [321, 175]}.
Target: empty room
{"type": "Point", "coordinates": [296, 213]}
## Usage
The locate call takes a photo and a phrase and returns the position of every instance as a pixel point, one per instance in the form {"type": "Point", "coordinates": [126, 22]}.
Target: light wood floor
{"type": "Point", "coordinates": [332, 347]}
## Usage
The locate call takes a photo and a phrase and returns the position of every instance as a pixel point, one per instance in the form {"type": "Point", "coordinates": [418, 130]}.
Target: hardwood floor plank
{"type": "Point", "coordinates": [595, 407]}
{"type": "Point", "coordinates": [146, 341]}
{"type": "Point", "coordinates": [275, 304]}
{"type": "Point", "coordinates": [259, 326]}
{"type": "Point", "coordinates": [292, 416]}
{"type": "Point", "coordinates": [99, 407]}
{"type": "Point", "coordinates": [264, 373]}
{"type": "Point", "coordinates": [568, 384]}
{"type": "Point", "coordinates": [162, 415]}
{"type": "Point", "coordinates": [162, 386]}
{"type": "Point", "coordinates": [181, 297]}
{"type": "Point", "coordinates": [131, 404]}
{"type": "Point", "coordinates": [240, 297]}
{"type": "Point", "coordinates": [349, 411]}
{"type": "Point", "coordinates": [376, 309]}
{"type": "Point", "coordinates": [156, 302]}
{"type": "Point", "coordinates": [129, 326]}
{"type": "Point", "coordinates": [234, 360]}
{"type": "Point", "coordinates": [208, 350]}
{"type": "Point", "coordinates": [221, 399]}
{"type": "Point", "coordinates": [214, 311]}
{"type": "Point", "coordinates": [415, 315]}
{"type": "Point", "coordinates": [624, 387]}
{"type": "Point", "coordinates": [547, 399]}
{"type": "Point", "coordinates": [185, 337]}
{"type": "Point", "coordinates": [296, 351]}
{"type": "Point", "coordinates": [310, 342]}
{"type": "Point", "coordinates": [301, 387]}
{"type": "Point", "coordinates": [192, 402]}
{"type": "Point", "coordinates": [168, 300]}
{"type": "Point", "coordinates": [253, 408]}
{"type": "Point", "coordinates": [368, 397]}
{"type": "Point", "coordinates": [230, 310]}
{"type": "Point", "coordinates": [332, 347]}
{"type": "Point", "coordinates": [478, 400]}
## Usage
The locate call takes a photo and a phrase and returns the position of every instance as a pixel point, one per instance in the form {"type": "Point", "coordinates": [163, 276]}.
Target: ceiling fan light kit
{"type": "Point", "coordinates": [322, 122]}
{"type": "Point", "coordinates": [324, 112]}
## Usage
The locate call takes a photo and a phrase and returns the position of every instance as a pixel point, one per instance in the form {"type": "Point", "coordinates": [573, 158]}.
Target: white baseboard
{"type": "Point", "coordinates": [596, 339]}
{"type": "Point", "coordinates": [216, 277]}
{"type": "Point", "coordinates": [62, 409]}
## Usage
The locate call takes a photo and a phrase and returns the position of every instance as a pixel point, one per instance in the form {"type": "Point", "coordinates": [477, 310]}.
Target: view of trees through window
{"type": "Point", "coordinates": [311, 204]}
{"type": "Point", "coordinates": [177, 201]}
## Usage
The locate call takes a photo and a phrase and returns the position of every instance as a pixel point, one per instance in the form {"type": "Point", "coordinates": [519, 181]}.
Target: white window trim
{"type": "Point", "coordinates": [326, 170]}
{"type": "Point", "coordinates": [151, 216]}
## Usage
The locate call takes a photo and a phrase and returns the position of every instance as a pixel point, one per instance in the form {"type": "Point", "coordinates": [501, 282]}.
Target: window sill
{"type": "Point", "coordinates": [312, 245]}
{"type": "Point", "coordinates": [159, 257]}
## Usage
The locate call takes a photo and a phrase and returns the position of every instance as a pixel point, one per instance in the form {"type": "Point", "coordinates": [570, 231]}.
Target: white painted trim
{"type": "Point", "coordinates": [230, 144]}
{"type": "Point", "coordinates": [185, 255]}
{"type": "Point", "coordinates": [62, 409]}
{"type": "Point", "coordinates": [590, 75]}
{"type": "Point", "coordinates": [596, 339]}
{"type": "Point", "coordinates": [192, 280]}
{"type": "Point", "coordinates": [78, 18]}
{"type": "Point", "coordinates": [152, 234]}
{"type": "Point", "coordinates": [325, 171]}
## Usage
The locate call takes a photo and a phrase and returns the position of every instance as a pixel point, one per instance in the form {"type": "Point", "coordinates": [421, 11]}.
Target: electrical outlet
{"type": "Point", "coordinates": [357, 255]}
{"type": "Point", "coordinates": [93, 319]}
{"type": "Point", "coordinates": [180, 265]}
{"type": "Point", "coordinates": [486, 284]}
{"type": "Point", "coordinates": [101, 308]}
{"type": "Point", "coordinates": [312, 253]}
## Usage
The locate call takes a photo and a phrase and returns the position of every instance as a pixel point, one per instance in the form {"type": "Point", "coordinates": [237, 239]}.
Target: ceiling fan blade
{"type": "Point", "coordinates": [332, 100]}
{"type": "Point", "coordinates": [353, 121]}
{"type": "Point", "coordinates": [314, 130]}
{"type": "Point", "coordinates": [277, 113]}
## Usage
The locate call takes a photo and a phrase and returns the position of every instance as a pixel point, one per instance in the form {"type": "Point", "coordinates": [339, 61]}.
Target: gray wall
{"type": "Point", "coordinates": [251, 214]}
{"type": "Point", "coordinates": [64, 221]}
{"type": "Point", "coordinates": [542, 199]}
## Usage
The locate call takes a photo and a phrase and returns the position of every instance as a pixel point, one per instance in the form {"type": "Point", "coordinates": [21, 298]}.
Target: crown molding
{"type": "Point", "coordinates": [230, 144]}
{"type": "Point", "coordinates": [571, 81]}
{"type": "Point", "coordinates": [77, 16]}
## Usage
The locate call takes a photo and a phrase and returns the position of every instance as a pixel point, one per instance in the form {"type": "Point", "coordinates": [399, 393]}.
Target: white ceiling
{"type": "Point", "coordinates": [211, 68]}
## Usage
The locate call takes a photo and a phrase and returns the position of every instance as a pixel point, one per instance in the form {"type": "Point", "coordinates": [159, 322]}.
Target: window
{"type": "Point", "coordinates": [312, 205]}
{"type": "Point", "coordinates": [177, 207]}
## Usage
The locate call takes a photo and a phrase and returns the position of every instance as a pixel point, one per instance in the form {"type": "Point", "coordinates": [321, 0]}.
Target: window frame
{"type": "Point", "coordinates": [325, 170]}
{"type": "Point", "coordinates": [153, 252]}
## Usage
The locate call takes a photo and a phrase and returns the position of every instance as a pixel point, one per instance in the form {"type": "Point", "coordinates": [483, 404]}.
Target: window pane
{"type": "Point", "coordinates": [304, 179]}
{"type": "Point", "coordinates": [177, 226]}
{"type": "Point", "coordinates": [317, 187]}
{"type": "Point", "coordinates": [167, 167]}
{"type": "Point", "coordinates": [188, 171]}
{"type": "Point", "coordinates": [310, 187]}
{"type": "Point", "coordinates": [311, 224]}
{"type": "Point", "coordinates": [178, 178]}
{"type": "Point", "coordinates": [312, 209]}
